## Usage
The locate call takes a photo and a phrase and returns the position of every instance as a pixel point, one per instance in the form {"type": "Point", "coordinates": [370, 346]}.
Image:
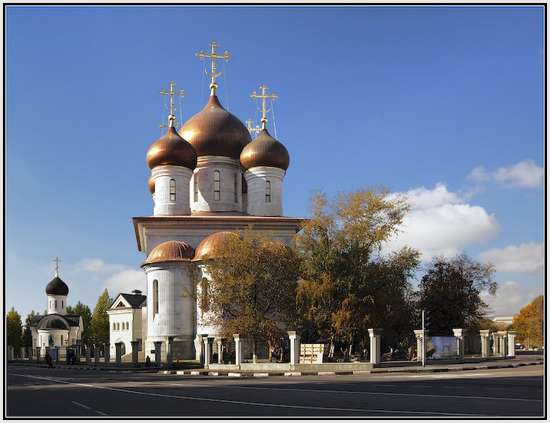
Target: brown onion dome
{"type": "Point", "coordinates": [170, 251]}
{"type": "Point", "coordinates": [265, 151]}
{"type": "Point", "coordinates": [215, 132]}
{"type": "Point", "coordinates": [213, 245]}
{"type": "Point", "coordinates": [171, 149]}
{"type": "Point", "coordinates": [151, 185]}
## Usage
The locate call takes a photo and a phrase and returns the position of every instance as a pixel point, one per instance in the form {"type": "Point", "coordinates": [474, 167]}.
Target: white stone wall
{"type": "Point", "coordinates": [204, 174]}
{"type": "Point", "coordinates": [256, 179]}
{"type": "Point", "coordinates": [162, 176]}
{"type": "Point", "coordinates": [118, 332]}
{"type": "Point", "coordinates": [59, 337]}
{"type": "Point", "coordinates": [57, 304]}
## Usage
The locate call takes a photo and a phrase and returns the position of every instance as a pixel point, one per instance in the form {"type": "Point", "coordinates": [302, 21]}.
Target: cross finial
{"type": "Point", "coordinates": [213, 56]}
{"type": "Point", "coordinates": [56, 266]}
{"type": "Point", "coordinates": [264, 97]}
{"type": "Point", "coordinates": [171, 93]}
{"type": "Point", "coordinates": [251, 128]}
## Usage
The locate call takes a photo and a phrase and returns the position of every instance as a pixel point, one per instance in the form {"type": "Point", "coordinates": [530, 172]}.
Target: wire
{"type": "Point", "coordinates": [273, 114]}
{"type": "Point", "coordinates": [226, 86]}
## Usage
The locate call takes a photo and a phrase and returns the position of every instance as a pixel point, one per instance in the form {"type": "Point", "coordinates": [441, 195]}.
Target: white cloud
{"type": "Point", "coordinates": [126, 281]}
{"type": "Point", "coordinates": [524, 174]}
{"type": "Point", "coordinates": [524, 258]}
{"type": "Point", "coordinates": [115, 277]}
{"type": "Point", "coordinates": [510, 297]}
{"type": "Point", "coordinates": [440, 222]}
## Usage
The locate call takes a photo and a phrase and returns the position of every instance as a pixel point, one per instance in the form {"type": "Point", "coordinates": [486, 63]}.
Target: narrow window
{"type": "Point", "coordinates": [268, 191]}
{"type": "Point", "coordinates": [155, 297]}
{"type": "Point", "coordinates": [61, 303]}
{"type": "Point", "coordinates": [61, 340]}
{"type": "Point", "coordinates": [235, 184]}
{"type": "Point", "coordinates": [55, 303]}
{"type": "Point", "coordinates": [172, 190]}
{"type": "Point", "coordinates": [216, 185]}
{"type": "Point", "coordinates": [196, 187]}
{"type": "Point", "coordinates": [114, 326]}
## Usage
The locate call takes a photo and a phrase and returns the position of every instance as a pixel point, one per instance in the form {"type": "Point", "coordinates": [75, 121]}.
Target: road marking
{"type": "Point", "coordinates": [86, 407]}
{"type": "Point", "coordinates": [258, 404]}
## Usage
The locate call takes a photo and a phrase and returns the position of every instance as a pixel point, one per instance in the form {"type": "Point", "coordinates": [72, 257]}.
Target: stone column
{"type": "Point", "coordinates": [77, 354]}
{"type": "Point", "coordinates": [198, 347]}
{"type": "Point", "coordinates": [10, 352]}
{"type": "Point", "coordinates": [238, 350]}
{"type": "Point", "coordinates": [484, 334]}
{"type": "Point", "coordinates": [375, 340]}
{"type": "Point", "coordinates": [511, 344]}
{"type": "Point", "coordinates": [170, 351]}
{"type": "Point", "coordinates": [96, 354]}
{"type": "Point", "coordinates": [207, 352]}
{"type": "Point", "coordinates": [107, 352]}
{"type": "Point", "coordinates": [118, 353]}
{"type": "Point", "coordinates": [419, 344]}
{"type": "Point", "coordinates": [219, 344]}
{"type": "Point", "coordinates": [23, 352]}
{"type": "Point", "coordinates": [135, 346]}
{"type": "Point", "coordinates": [459, 335]}
{"type": "Point", "coordinates": [88, 355]}
{"type": "Point", "coordinates": [502, 335]}
{"type": "Point", "coordinates": [38, 349]}
{"type": "Point", "coordinates": [158, 350]}
{"type": "Point", "coordinates": [494, 349]}
{"type": "Point", "coordinates": [294, 348]}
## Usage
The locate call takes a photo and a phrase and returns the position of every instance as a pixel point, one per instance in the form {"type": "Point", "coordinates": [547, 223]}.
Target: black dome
{"type": "Point", "coordinates": [53, 321]}
{"type": "Point", "coordinates": [57, 287]}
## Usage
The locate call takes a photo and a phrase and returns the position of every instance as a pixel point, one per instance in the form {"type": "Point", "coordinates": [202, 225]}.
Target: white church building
{"type": "Point", "coordinates": [209, 181]}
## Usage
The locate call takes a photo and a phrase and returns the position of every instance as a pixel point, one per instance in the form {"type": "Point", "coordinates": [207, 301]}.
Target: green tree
{"type": "Point", "coordinates": [100, 320]}
{"type": "Point", "coordinates": [450, 293]}
{"type": "Point", "coordinates": [26, 338]}
{"type": "Point", "coordinates": [252, 289]}
{"type": "Point", "coordinates": [529, 323]}
{"type": "Point", "coordinates": [83, 311]}
{"type": "Point", "coordinates": [14, 330]}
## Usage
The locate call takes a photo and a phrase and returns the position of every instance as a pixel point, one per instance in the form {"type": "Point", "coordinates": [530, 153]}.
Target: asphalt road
{"type": "Point", "coordinates": [36, 392]}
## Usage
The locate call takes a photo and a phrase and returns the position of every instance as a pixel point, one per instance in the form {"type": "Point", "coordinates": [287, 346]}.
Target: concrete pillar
{"type": "Point", "coordinates": [238, 349]}
{"type": "Point", "coordinates": [37, 349]}
{"type": "Point", "coordinates": [88, 355]}
{"type": "Point", "coordinates": [459, 335]}
{"type": "Point", "coordinates": [511, 344]}
{"type": "Point", "coordinates": [375, 341]}
{"type": "Point", "coordinates": [96, 354]}
{"type": "Point", "coordinates": [107, 352]}
{"type": "Point", "coordinates": [207, 352]}
{"type": "Point", "coordinates": [294, 348]}
{"type": "Point", "coordinates": [219, 344]}
{"type": "Point", "coordinates": [10, 352]}
{"type": "Point", "coordinates": [198, 347]}
{"type": "Point", "coordinates": [419, 344]}
{"type": "Point", "coordinates": [23, 352]}
{"type": "Point", "coordinates": [484, 334]}
{"type": "Point", "coordinates": [77, 354]}
{"type": "Point", "coordinates": [494, 338]}
{"type": "Point", "coordinates": [118, 353]}
{"type": "Point", "coordinates": [170, 351]}
{"type": "Point", "coordinates": [135, 346]}
{"type": "Point", "coordinates": [158, 349]}
{"type": "Point", "coordinates": [502, 335]}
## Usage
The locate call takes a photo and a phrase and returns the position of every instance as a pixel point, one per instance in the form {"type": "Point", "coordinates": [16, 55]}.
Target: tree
{"type": "Point", "coordinates": [83, 311]}
{"type": "Point", "coordinates": [528, 323]}
{"type": "Point", "coordinates": [348, 285]}
{"type": "Point", "coordinates": [26, 338]}
{"type": "Point", "coordinates": [14, 330]}
{"type": "Point", "coordinates": [100, 320]}
{"type": "Point", "coordinates": [252, 289]}
{"type": "Point", "coordinates": [450, 293]}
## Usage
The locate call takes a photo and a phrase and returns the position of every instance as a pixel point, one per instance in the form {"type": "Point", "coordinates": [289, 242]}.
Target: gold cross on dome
{"type": "Point", "coordinates": [252, 129]}
{"type": "Point", "coordinates": [264, 97]}
{"type": "Point", "coordinates": [56, 260]}
{"type": "Point", "coordinates": [171, 93]}
{"type": "Point", "coordinates": [213, 56]}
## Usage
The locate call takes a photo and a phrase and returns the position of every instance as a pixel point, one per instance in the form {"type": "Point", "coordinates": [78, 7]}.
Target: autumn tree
{"type": "Point", "coordinates": [450, 293]}
{"type": "Point", "coordinates": [26, 337]}
{"type": "Point", "coordinates": [83, 311]}
{"type": "Point", "coordinates": [252, 289]}
{"type": "Point", "coordinates": [14, 330]}
{"type": "Point", "coordinates": [528, 323]}
{"type": "Point", "coordinates": [100, 320]}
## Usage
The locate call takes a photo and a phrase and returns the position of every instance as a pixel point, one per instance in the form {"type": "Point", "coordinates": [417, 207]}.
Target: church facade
{"type": "Point", "coordinates": [209, 181]}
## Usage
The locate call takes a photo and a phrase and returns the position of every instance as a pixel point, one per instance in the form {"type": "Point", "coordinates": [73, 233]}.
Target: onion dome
{"type": "Point", "coordinates": [170, 251]}
{"type": "Point", "coordinates": [265, 151]}
{"type": "Point", "coordinates": [213, 245]}
{"type": "Point", "coordinates": [151, 185]}
{"type": "Point", "coordinates": [215, 132]}
{"type": "Point", "coordinates": [171, 149]}
{"type": "Point", "coordinates": [53, 321]}
{"type": "Point", "coordinates": [57, 287]}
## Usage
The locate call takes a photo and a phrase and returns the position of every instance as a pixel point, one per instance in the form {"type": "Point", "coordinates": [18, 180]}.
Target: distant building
{"type": "Point", "coordinates": [506, 320]}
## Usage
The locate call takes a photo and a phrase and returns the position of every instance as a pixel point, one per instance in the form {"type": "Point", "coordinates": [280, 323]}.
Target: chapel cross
{"type": "Point", "coordinates": [171, 93]}
{"type": "Point", "coordinates": [56, 268]}
{"type": "Point", "coordinates": [264, 97]}
{"type": "Point", "coordinates": [213, 56]}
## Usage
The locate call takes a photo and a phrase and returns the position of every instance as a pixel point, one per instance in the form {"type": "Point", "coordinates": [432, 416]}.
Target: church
{"type": "Point", "coordinates": [209, 182]}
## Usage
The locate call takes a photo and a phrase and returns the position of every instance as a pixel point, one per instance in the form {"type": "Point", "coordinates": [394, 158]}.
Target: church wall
{"type": "Point", "coordinates": [256, 179]}
{"type": "Point", "coordinates": [120, 317]}
{"type": "Point", "coordinates": [164, 206]}
{"type": "Point", "coordinates": [57, 304]}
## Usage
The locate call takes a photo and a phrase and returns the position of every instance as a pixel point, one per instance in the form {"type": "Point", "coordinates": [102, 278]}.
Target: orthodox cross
{"type": "Point", "coordinates": [264, 97]}
{"type": "Point", "coordinates": [171, 93]}
{"type": "Point", "coordinates": [56, 267]}
{"type": "Point", "coordinates": [252, 129]}
{"type": "Point", "coordinates": [213, 56]}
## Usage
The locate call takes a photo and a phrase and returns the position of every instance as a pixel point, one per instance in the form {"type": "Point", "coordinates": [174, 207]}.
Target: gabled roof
{"type": "Point", "coordinates": [134, 300]}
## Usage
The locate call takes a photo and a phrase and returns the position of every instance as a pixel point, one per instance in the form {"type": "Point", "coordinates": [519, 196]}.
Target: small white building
{"type": "Point", "coordinates": [126, 324]}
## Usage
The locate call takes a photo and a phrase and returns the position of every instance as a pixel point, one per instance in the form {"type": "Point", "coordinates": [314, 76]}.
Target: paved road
{"type": "Point", "coordinates": [35, 391]}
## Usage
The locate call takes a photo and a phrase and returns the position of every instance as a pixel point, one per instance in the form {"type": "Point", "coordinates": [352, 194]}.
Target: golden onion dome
{"type": "Point", "coordinates": [265, 151]}
{"type": "Point", "coordinates": [171, 149]}
{"type": "Point", "coordinates": [170, 251]}
{"type": "Point", "coordinates": [151, 185]}
{"type": "Point", "coordinates": [213, 245]}
{"type": "Point", "coordinates": [215, 132]}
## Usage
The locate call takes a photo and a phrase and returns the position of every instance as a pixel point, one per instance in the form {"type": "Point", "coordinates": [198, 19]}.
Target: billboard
{"type": "Point", "coordinates": [442, 347]}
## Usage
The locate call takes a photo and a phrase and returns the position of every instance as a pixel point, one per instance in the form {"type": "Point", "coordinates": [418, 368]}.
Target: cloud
{"type": "Point", "coordinates": [524, 258]}
{"type": "Point", "coordinates": [510, 297]}
{"type": "Point", "coordinates": [441, 222]}
{"type": "Point", "coordinates": [126, 281]}
{"type": "Point", "coordinates": [115, 277]}
{"type": "Point", "coordinates": [524, 174]}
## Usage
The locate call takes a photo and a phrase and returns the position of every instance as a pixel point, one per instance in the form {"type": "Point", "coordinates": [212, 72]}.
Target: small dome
{"type": "Point", "coordinates": [215, 132]}
{"type": "Point", "coordinates": [265, 151]}
{"type": "Point", "coordinates": [151, 185]}
{"type": "Point", "coordinates": [170, 251]}
{"type": "Point", "coordinates": [53, 321]}
{"type": "Point", "coordinates": [57, 287]}
{"type": "Point", "coordinates": [213, 245]}
{"type": "Point", "coordinates": [171, 149]}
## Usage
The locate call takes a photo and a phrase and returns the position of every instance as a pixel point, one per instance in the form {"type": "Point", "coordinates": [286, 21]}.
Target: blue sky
{"type": "Point", "coordinates": [444, 104]}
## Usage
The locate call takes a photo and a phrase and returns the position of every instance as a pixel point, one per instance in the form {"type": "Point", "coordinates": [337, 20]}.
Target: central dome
{"type": "Point", "coordinates": [215, 132]}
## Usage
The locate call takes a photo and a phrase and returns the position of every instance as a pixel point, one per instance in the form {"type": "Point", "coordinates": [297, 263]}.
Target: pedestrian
{"type": "Point", "coordinates": [49, 360]}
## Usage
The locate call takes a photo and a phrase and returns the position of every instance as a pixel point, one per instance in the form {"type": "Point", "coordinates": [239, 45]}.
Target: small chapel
{"type": "Point", "coordinates": [210, 180]}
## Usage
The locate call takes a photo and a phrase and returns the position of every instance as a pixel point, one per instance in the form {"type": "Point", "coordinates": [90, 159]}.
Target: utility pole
{"type": "Point", "coordinates": [423, 339]}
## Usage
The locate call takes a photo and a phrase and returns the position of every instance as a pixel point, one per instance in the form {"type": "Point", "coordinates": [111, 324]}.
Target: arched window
{"type": "Point", "coordinates": [235, 185]}
{"type": "Point", "coordinates": [55, 303]}
{"type": "Point", "coordinates": [268, 191]}
{"type": "Point", "coordinates": [196, 187]}
{"type": "Point", "coordinates": [114, 326]}
{"type": "Point", "coordinates": [61, 303]}
{"type": "Point", "coordinates": [61, 340]}
{"type": "Point", "coordinates": [216, 185]}
{"type": "Point", "coordinates": [172, 190]}
{"type": "Point", "coordinates": [155, 297]}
